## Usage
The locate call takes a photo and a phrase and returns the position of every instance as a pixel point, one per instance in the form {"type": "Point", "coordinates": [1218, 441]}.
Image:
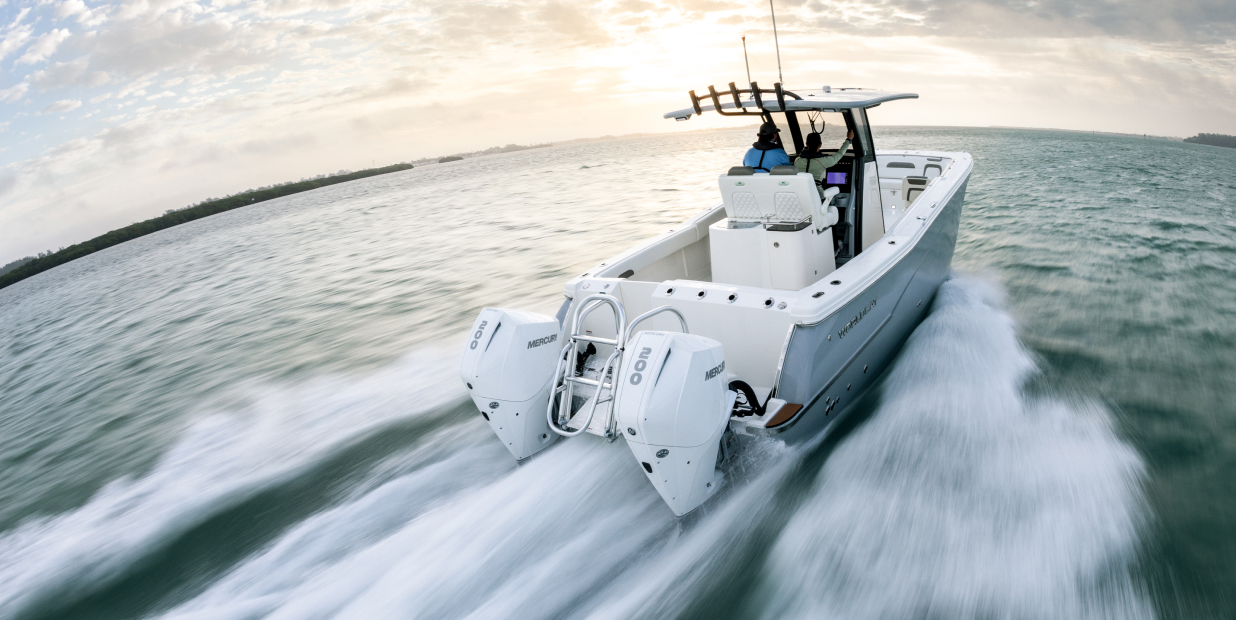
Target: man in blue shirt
{"type": "Point", "coordinates": [767, 151]}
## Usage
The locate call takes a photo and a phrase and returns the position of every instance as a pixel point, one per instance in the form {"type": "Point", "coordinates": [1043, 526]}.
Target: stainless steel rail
{"type": "Point", "coordinates": [565, 378]}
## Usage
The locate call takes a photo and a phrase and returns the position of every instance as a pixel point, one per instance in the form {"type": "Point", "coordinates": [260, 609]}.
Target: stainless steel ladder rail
{"type": "Point", "coordinates": [565, 379]}
{"type": "Point", "coordinates": [564, 375]}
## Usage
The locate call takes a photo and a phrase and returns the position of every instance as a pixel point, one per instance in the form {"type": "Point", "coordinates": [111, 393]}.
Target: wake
{"type": "Point", "coordinates": [962, 496]}
{"type": "Point", "coordinates": [222, 460]}
{"type": "Point", "coordinates": [965, 497]}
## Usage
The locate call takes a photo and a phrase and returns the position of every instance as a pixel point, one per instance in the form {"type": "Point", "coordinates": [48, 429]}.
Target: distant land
{"type": "Point", "coordinates": [23, 268]}
{"type": "Point", "coordinates": [1089, 131]}
{"type": "Point", "coordinates": [493, 150]}
{"type": "Point", "coordinates": [1213, 139]}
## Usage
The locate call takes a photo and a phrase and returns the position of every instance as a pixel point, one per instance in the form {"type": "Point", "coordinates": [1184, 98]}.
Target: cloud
{"type": "Point", "coordinates": [297, 7]}
{"type": "Point", "coordinates": [14, 93]}
{"type": "Point", "coordinates": [177, 40]}
{"type": "Point", "coordinates": [44, 46]}
{"type": "Point", "coordinates": [1141, 20]}
{"type": "Point", "coordinates": [280, 144]}
{"type": "Point", "coordinates": [569, 21]}
{"type": "Point", "coordinates": [16, 35]}
{"type": "Point", "coordinates": [134, 88]}
{"type": "Point", "coordinates": [58, 75]}
{"type": "Point", "coordinates": [8, 181]}
{"type": "Point", "coordinates": [78, 9]}
{"type": "Point", "coordinates": [64, 105]}
{"type": "Point", "coordinates": [67, 74]}
{"type": "Point", "coordinates": [69, 8]}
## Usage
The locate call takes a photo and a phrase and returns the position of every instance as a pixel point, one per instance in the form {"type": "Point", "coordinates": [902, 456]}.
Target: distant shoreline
{"type": "Point", "coordinates": [1213, 139]}
{"type": "Point", "coordinates": [171, 218]}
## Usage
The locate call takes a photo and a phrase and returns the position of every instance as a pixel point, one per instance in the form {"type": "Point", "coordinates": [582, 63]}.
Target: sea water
{"type": "Point", "coordinates": [259, 415]}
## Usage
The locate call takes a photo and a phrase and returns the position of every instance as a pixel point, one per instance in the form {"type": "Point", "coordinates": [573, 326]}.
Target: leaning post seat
{"type": "Point", "coordinates": [768, 239]}
{"type": "Point", "coordinates": [783, 197]}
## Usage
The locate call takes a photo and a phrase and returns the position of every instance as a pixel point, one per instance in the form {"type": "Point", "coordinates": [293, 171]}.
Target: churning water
{"type": "Point", "coordinates": [258, 415]}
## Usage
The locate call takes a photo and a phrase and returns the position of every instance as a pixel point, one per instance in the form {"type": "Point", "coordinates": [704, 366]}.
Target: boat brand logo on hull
{"type": "Point", "coordinates": [713, 372]}
{"type": "Point", "coordinates": [640, 365]}
{"type": "Point", "coordinates": [532, 344]}
{"type": "Point", "coordinates": [854, 321]}
{"type": "Point", "coordinates": [476, 336]}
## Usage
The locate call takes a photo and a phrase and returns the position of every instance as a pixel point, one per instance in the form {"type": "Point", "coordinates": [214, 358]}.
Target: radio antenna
{"type": "Point", "coordinates": [744, 57]}
{"type": "Point", "coordinates": [776, 40]}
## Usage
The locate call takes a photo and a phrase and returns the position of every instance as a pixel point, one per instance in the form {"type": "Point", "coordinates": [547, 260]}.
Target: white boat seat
{"type": "Point", "coordinates": [911, 187]}
{"type": "Point", "coordinates": [770, 198]}
{"type": "Point", "coordinates": [777, 234]}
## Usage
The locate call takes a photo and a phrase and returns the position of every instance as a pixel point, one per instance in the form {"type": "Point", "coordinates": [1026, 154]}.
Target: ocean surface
{"type": "Point", "coordinates": [259, 414]}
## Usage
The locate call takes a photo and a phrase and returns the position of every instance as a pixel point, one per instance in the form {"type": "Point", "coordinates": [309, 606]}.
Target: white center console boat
{"type": "Point", "coordinates": [769, 313]}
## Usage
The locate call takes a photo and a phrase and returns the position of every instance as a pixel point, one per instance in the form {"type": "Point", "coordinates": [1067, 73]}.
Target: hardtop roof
{"type": "Point", "coordinates": [833, 100]}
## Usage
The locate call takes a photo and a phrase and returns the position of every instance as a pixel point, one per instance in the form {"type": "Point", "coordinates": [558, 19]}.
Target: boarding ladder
{"type": "Point", "coordinates": [569, 373]}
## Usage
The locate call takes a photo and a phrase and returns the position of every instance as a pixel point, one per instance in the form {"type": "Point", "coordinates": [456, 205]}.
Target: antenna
{"type": "Point", "coordinates": [776, 40]}
{"type": "Point", "coordinates": [744, 57]}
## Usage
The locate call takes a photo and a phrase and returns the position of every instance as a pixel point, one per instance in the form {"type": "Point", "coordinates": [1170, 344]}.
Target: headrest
{"type": "Point", "coordinates": [739, 171]}
{"type": "Point", "coordinates": [783, 170]}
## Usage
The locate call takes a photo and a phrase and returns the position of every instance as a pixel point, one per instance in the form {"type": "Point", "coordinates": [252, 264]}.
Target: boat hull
{"type": "Point", "coordinates": [829, 365]}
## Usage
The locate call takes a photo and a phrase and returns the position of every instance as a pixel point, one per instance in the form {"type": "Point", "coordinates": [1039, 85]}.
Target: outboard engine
{"type": "Point", "coordinates": [507, 365]}
{"type": "Point", "coordinates": [673, 408]}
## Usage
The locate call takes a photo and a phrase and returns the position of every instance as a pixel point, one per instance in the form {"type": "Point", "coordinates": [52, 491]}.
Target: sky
{"type": "Point", "coordinates": [113, 112]}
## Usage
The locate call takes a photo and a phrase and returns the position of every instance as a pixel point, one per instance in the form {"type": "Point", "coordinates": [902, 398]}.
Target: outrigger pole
{"type": "Point", "coordinates": [780, 78]}
{"type": "Point", "coordinates": [744, 57]}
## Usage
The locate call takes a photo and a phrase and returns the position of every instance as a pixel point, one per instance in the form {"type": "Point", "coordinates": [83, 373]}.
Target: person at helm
{"type": "Point", "coordinates": [767, 150]}
{"type": "Point", "coordinates": [817, 163]}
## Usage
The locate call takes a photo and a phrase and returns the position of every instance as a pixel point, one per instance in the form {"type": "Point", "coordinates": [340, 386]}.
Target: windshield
{"type": "Point", "coordinates": [830, 125]}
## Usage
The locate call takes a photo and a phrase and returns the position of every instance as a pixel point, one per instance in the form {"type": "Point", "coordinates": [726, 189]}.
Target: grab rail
{"type": "Point", "coordinates": [564, 380]}
{"type": "Point", "coordinates": [655, 311]}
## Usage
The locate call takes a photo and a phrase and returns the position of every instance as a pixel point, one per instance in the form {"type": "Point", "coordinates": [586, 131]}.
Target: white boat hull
{"type": "Point", "coordinates": [801, 358]}
{"type": "Point", "coordinates": [828, 365]}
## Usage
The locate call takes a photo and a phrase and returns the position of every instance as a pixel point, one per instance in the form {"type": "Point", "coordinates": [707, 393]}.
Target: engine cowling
{"type": "Point", "coordinates": [508, 363]}
{"type": "Point", "coordinates": [673, 409]}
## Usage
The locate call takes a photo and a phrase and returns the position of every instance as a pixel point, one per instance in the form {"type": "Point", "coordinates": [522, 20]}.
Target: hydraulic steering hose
{"type": "Point", "coordinates": [741, 386]}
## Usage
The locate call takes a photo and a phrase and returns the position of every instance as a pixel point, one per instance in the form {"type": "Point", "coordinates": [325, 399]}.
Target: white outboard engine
{"type": "Point", "coordinates": [507, 365]}
{"type": "Point", "coordinates": [673, 409]}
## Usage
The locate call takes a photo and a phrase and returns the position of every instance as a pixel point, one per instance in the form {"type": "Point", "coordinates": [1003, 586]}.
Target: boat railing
{"type": "Point", "coordinates": [569, 373]}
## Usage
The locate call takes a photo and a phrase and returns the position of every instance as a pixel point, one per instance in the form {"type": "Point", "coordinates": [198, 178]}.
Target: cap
{"type": "Point", "coordinates": [768, 129]}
